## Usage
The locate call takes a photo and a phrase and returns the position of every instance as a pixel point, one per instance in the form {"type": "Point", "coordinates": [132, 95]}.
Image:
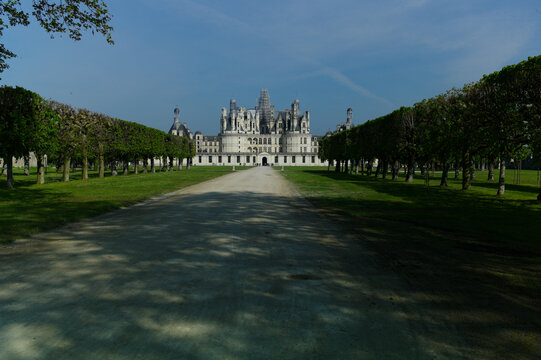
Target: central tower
{"type": "Point", "coordinates": [264, 106]}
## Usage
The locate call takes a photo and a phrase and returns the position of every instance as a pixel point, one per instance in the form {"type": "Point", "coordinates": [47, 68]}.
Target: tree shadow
{"type": "Point", "coordinates": [187, 277]}
{"type": "Point", "coordinates": [486, 283]}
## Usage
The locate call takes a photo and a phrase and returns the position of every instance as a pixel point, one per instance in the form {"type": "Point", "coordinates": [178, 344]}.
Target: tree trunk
{"type": "Point", "coordinates": [501, 181]}
{"type": "Point", "coordinates": [357, 167]}
{"type": "Point", "coordinates": [395, 170]}
{"type": "Point", "coordinates": [466, 171]}
{"type": "Point", "coordinates": [114, 171]}
{"type": "Point", "coordinates": [145, 166]}
{"type": "Point", "coordinates": [126, 168]}
{"type": "Point", "coordinates": [180, 164]}
{"type": "Point", "coordinates": [66, 168]}
{"type": "Point", "coordinates": [337, 168]}
{"type": "Point", "coordinates": [422, 168]}
{"type": "Point", "coordinates": [444, 174]}
{"type": "Point", "coordinates": [136, 166]}
{"type": "Point", "coordinates": [85, 164]}
{"type": "Point", "coordinates": [473, 172]}
{"type": "Point", "coordinates": [152, 167]}
{"type": "Point", "coordinates": [369, 169]}
{"type": "Point", "coordinates": [491, 170]}
{"type": "Point", "coordinates": [102, 167]}
{"type": "Point", "coordinates": [171, 164]}
{"type": "Point", "coordinates": [27, 164]}
{"type": "Point", "coordinates": [411, 170]}
{"type": "Point", "coordinates": [188, 163]}
{"type": "Point", "coordinates": [41, 169]}
{"type": "Point", "coordinates": [385, 169]}
{"type": "Point", "coordinates": [346, 164]}
{"type": "Point", "coordinates": [9, 162]}
{"type": "Point", "coordinates": [328, 165]}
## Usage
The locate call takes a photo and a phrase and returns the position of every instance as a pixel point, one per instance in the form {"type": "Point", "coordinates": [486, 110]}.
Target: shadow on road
{"type": "Point", "coordinates": [262, 277]}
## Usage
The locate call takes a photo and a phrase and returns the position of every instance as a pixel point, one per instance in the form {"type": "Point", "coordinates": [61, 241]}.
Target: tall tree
{"type": "Point", "coordinates": [70, 17]}
{"type": "Point", "coordinates": [44, 137]}
{"type": "Point", "coordinates": [67, 135]}
{"type": "Point", "coordinates": [18, 113]}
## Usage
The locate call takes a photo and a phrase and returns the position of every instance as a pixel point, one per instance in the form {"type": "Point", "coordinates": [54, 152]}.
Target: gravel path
{"type": "Point", "coordinates": [239, 267]}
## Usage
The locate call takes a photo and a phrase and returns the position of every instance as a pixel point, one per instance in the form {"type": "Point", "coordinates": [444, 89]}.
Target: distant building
{"type": "Point", "coordinates": [257, 136]}
{"type": "Point", "coordinates": [343, 126]}
{"type": "Point", "coordinates": [179, 128]}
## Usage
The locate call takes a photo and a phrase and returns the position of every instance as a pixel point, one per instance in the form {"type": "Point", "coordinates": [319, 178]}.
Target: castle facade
{"type": "Point", "coordinates": [257, 136]}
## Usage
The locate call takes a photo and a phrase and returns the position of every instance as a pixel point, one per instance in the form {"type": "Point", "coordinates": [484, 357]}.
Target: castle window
{"type": "Point", "coordinates": [260, 140]}
{"type": "Point", "coordinates": [247, 159]}
{"type": "Point", "coordinates": [200, 160]}
{"type": "Point", "coordinates": [293, 159]}
{"type": "Point", "coordinates": [210, 159]}
{"type": "Point", "coordinates": [285, 159]}
{"type": "Point", "coordinates": [304, 159]}
{"type": "Point", "coordinates": [229, 159]}
{"type": "Point", "coordinates": [238, 159]}
{"type": "Point", "coordinates": [276, 159]}
{"type": "Point", "coordinates": [220, 159]}
{"type": "Point", "coordinates": [313, 159]}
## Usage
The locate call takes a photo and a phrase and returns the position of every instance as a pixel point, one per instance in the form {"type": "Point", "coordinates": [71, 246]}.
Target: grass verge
{"type": "Point", "coordinates": [472, 259]}
{"type": "Point", "coordinates": [30, 208]}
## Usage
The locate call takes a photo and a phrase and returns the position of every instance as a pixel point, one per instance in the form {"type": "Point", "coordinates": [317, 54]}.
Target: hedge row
{"type": "Point", "coordinates": [28, 123]}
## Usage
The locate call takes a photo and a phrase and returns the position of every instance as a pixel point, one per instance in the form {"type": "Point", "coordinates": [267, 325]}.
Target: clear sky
{"type": "Point", "coordinates": [372, 56]}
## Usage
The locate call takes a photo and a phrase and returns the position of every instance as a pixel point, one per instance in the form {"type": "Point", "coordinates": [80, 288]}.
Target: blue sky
{"type": "Point", "coordinates": [372, 56]}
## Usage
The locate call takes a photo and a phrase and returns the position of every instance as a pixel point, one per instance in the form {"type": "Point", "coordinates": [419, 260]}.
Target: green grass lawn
{"type": "Point", "coordinates": [477, 213]}
{"type": "Point", "coordinates": [467, 253]}
{"type": "Point", "coordinates": [30, 208]}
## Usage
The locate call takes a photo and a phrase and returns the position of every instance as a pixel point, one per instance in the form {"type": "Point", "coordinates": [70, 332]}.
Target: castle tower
{"type": "Point", "coordinates": [264, 107]}
{"type": "Point", "coordinates": [177, 115]}
{"type": "Point", "coordinates": [232, 106]}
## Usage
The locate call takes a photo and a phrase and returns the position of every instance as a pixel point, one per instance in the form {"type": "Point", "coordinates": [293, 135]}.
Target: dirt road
{"type": "Point", "coordinates": [239, 267]}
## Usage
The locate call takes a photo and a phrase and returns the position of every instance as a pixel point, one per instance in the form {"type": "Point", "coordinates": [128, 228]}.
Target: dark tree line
{"type": "Point", "coordinates": [494, 119]}
{"type": "Point", "coordinates": [29, 123]}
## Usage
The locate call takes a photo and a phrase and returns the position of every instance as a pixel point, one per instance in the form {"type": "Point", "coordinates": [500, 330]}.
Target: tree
{"type": "Point", "coordinates": [70, 17]}
{"type": "Point", "coordinates": [18, 113]}
{"type": "Point", "coordinates": [67, 134]}
{"type": "Point", "coordinates": [44, 137]}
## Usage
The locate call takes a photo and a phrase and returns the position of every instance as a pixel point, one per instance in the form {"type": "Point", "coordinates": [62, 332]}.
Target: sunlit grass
{"type": "Point", "coordinates": [30, 208]}
{"type": "Point", "coordinates": [478, 212]}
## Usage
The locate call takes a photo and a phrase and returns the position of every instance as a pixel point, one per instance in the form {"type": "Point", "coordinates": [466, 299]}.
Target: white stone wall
{"type": "Point", "coordinates": [247, 159]}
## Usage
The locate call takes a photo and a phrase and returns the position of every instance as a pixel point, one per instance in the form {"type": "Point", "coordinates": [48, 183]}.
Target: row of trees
{"type": "Point", "coordinates": [494, 119]}
{"type": "Point", "coordinates": [28, 123]}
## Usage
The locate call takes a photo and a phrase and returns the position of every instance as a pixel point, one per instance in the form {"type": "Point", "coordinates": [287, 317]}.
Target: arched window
{"type": "Point", "coordinates": [265, 141]}
{"type": "Point", "coordinates": [250, 141]}
{"type": "Point", "coordinates": [260, 141]}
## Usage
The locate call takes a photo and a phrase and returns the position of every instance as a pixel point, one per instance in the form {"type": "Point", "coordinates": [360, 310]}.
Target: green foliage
{"type": "Point", "coordinates": [19, 113]}
{"type": "Point", "coordinates": [497, 117]}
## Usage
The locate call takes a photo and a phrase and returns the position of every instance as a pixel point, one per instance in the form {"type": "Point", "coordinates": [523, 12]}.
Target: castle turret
{"type": "Point", "coordinates": [177, 115]}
